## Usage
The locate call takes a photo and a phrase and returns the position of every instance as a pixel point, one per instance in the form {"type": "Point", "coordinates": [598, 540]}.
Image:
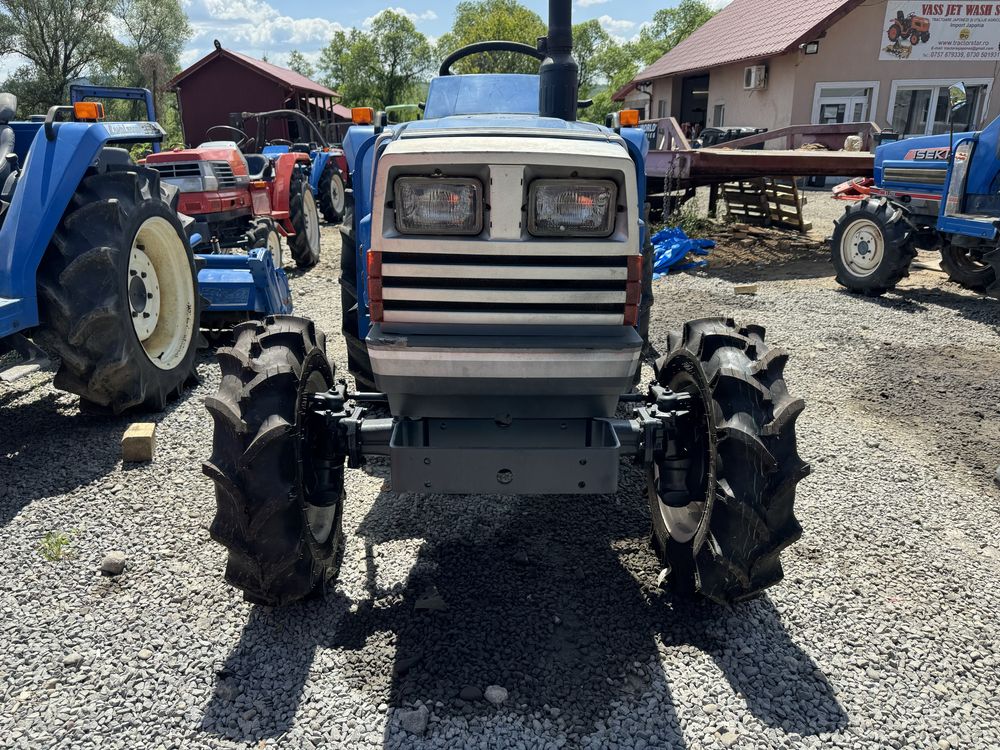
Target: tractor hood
{"type": "Point", "coordinates": [477, 124]}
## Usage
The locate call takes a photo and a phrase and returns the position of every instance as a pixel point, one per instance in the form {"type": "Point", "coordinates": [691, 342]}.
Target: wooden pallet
{"type": "Point", "coordinates": [766, 201]}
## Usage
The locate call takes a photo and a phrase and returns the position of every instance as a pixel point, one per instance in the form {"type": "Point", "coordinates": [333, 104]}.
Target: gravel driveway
{"type": "Point", "coordinates": [883, 634]}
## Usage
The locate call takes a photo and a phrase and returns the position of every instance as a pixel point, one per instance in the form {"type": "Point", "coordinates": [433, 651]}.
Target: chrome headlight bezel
{"type": "Point", "coordinates": [476, 214]}
{"type": "Point", "coordinates": [607, 227]}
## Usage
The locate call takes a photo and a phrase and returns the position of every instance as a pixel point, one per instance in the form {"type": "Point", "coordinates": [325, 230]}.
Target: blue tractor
{"type": "Point", "coordinates": [934, 192]}
{"type": "Point", "coordinates": [95, 265]}
{"type": "Point", "coordinates": [496, 286]}
{"type": "Point", "coordinates": [327, 175]}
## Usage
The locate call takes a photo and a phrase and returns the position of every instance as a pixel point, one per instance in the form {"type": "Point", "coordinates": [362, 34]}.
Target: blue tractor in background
{"type": "Point", "coordinates": [496, 287]}
{"type": "Point", "coordinates": [328, 175]}
{"type": "Point", "coordinates": [934, 192]}
{"type": "Point", "coordinates": [95, 264]}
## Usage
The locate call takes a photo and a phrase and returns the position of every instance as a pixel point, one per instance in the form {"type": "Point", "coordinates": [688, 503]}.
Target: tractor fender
{"type": "Point", "coordinates": [320, 158]}
{"type": "Point", "coordinates": [49, 178]}
{"type": "Point", "coordinates": [284, 166]}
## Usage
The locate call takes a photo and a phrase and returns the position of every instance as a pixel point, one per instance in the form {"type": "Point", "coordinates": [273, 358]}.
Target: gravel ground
{"type": "Point", "coordinates": [884, 633]}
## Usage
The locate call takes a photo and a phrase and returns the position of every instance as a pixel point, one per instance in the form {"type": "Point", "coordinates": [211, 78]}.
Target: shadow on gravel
{"type": "Point", "coordinates": [790, 269]}
{"type": "Point", "coordinates": [552, 598]}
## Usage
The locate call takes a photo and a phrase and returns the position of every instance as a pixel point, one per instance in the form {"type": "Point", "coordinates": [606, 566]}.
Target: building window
{"type": "Point", "coordinates": [850, 101]}
{"type": "Point", "coordinates": [719, 115]}
{"type": "Point", "coordinates": [661, 108]}
{"type": "Point", "coordinates": [921, 107]}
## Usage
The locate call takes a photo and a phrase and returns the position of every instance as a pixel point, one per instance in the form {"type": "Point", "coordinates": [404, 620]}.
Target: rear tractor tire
{"type": "Point", "coordinates": [722, 506]}
{"type": "Point", "coordinates": [332, 193]}
{"type": "Point", "coordinates": [358, 362]}
{"type": "Point", "coordinates": [304, 217]}
{"type": "Point", "coordinates": [872, 247]}
{"type": "Point", "coordinates": [118, 293]}
{"type": "Point", "coordinates": [264, 234]}
{"type": "Point", "coordinates": [968, 267]}
{"type": "Point", "coordinates": [279, 505]}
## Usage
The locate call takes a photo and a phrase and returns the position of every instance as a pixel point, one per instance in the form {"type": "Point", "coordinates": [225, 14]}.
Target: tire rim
{"type": "Point", "coordinates": [684, 523]}
{"type": "Point", "coordinates": [337, 194]}
{"type": "Point", "coordinates": [862, 247]}
{"type": "Point", "coordinates": [274, 246]}
{"type": "Point", "coordinates": [311, 216]}
{"type": "Point", "coordinates": [161, 293]}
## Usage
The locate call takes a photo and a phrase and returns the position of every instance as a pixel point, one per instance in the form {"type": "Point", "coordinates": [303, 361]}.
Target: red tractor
{"type": "Point", "coordinates": [916, 28]}
{"type": "Point", "coordinates": [244, 201]}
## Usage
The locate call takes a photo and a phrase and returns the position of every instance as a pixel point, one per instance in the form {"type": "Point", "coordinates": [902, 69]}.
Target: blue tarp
{"type": "Point", "coordinates": [671, 246]}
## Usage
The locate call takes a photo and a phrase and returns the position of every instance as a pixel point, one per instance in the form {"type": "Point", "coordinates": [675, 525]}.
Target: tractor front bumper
{"type": "Point", "coordinates": [531, 374]}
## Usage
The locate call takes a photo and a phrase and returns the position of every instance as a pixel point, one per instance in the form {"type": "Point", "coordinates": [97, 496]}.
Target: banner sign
{"type": "Point", "coordinates": [940, 31]}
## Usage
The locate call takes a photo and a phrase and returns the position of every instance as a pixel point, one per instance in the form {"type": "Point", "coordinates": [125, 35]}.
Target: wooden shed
{"type": "Point", "coordinates": [214, 90]}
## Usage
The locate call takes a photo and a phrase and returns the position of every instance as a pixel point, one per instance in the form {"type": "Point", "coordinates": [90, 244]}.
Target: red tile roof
{"type": "Point", "coordinates": [749, 30]}
{"type": "Point", "coordinates": [294, 81]}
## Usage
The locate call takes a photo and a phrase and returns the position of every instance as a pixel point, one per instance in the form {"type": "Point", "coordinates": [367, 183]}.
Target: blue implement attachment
{"type": "Point", "coordinates": [236, 286]}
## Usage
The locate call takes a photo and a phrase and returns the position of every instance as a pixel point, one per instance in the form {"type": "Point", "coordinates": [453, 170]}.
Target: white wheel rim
{"type": "Point", "coordinates": [274, 246]}
{"type": "Point", "coordinates": [161, 293]}
{"type": "Point", "coordinates": [311, 218]}
{"type": "Point", "coordinates": [862, 247]}
{"type": "Point", "coordinates": [337, 194]}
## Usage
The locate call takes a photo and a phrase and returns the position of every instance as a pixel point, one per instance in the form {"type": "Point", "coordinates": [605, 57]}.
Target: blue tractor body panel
{"type": "Point", "coordinates": [244, 283]}
{"type": "Point", "coordinates": [51, 171]}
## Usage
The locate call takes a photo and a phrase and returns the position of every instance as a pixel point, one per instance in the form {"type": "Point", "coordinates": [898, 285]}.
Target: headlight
{"type": "Point", "coordinates": [578, 208]}
{"type": "Point", "coordinates": [431, 205]}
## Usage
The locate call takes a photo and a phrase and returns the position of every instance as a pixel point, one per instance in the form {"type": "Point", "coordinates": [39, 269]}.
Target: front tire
{"type": "Point", "coordinates": [871, 247]}
{"type": "Point", "coordinates": [279, 506]}
{"type": "Point", "coordinates": [964, 266]}
{"type": "Point", "coordinates": [118, 299]}
{"type": "Point", "coordinates": [332, 193]}
{"type": "Point", "coordinates": [723, 509]}
{"type": "Point", "coordinates": [304, 217]}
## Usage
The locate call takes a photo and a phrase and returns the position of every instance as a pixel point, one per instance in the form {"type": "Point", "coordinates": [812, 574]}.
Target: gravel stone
{"type": "Point", "coordinates": [73, 660]}
{"type": "Point", "coordinates": [113, 563]}
{"type": "Point", "coordinates": [496, 694]}
{"type": "Point", "coordinates": [415, 721]}
{"type": "Point", "coordinates": [471, 693]}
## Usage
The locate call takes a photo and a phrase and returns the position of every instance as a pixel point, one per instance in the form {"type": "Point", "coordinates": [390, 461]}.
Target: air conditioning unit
{"type": "Point", "coordinates": [755, 78]}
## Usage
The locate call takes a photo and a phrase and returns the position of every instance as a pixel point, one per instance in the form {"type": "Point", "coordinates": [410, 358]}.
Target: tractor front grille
{"type": "Point", "coordinates": [177, 170]}
{"type": "Point", "coordinates": [223, 172]}
{"type": "Point", "coordinates": [504, 289]}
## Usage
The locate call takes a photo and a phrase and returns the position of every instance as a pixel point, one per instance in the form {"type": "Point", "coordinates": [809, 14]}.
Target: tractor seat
{"type": "Point", "coordinates": [259, 166]}
{"type": "Point", "coordinates": [8, 111]}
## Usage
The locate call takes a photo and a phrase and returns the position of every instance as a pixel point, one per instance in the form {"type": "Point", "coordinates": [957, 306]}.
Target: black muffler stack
{"type": "Point", "coordinates": [559, 73]}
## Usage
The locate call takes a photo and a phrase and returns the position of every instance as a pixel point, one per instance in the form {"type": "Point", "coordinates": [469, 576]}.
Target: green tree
{"type": "Point", "coordinates": [485, 20]}
{"type": "Point", "coordinates": [60, 40]}
{"type": "Point", "coordinates": [590, 44]}
{"type": "Point", "coordinates": [670, 27]}
{"type": "Point", "coordinates": [378, 67]}
{"type": "Point", "coordinates": [298, 62]}
{"type": "Point", "coordinates": [149, 46]}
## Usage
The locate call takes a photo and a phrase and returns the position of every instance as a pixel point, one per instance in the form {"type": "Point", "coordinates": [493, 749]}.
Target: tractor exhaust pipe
{"type": "Point", "coordinates": [558, 73]}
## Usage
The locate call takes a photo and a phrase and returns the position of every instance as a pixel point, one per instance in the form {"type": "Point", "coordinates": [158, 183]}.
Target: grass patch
{"type": "Point", "coordinates": [56, 545]}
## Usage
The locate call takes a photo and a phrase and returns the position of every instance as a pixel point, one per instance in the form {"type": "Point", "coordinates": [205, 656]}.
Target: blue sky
{"type": "Point", "coordinates": [275, 27]}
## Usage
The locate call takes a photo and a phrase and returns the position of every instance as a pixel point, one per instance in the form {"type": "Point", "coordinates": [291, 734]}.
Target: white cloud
{"type": "Point", "coordinates": [588, 3]}
{"type": "Point", "coordinates": [615, 25]}
{"type": "Point", "coordinates": [252, 26]}
{"type": "Point", "coordinates": [427, 15]}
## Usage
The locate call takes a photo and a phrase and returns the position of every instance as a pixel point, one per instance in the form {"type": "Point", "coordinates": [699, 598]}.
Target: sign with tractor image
{"type": "Point", "coordinates": [940, 31]}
